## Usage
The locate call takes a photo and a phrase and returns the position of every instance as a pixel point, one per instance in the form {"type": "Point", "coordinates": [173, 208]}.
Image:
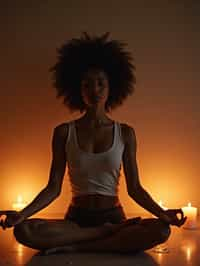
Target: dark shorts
{"type": "Point", "coordinates": [88, 218]}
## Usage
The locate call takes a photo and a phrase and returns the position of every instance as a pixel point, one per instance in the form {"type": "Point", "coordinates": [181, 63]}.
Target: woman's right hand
{"type": "Point", "coordinates": [12, 218]}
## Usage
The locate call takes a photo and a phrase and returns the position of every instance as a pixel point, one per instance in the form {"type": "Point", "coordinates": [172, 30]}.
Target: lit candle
{"type": "Point", "coordinates": [191, 213]}
{"type": "Point", "coordinates": [19, 204]}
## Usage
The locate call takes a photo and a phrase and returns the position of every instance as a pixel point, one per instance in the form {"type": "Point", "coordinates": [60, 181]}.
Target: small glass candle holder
{"type": "Point", "coordinates": [161, 248]}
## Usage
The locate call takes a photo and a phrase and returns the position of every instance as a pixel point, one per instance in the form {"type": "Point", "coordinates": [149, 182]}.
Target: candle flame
{"type": "Point", "coordinates": [19, 204]}
{"type": "Point", "coordinates": [189, 204]}
{"type": "Point", "coordinates": [19, 199]}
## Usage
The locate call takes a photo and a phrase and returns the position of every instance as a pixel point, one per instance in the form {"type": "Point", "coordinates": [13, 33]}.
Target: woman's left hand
{"type": "Point", "coordinates": [170, 216]}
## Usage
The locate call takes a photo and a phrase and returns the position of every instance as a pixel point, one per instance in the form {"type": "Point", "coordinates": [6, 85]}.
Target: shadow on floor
{"type": "Point", "coordinates": [97, 259]}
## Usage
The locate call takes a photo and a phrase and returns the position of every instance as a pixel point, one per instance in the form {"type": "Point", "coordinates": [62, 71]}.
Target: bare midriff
{"type": "Point", "coordinates": [95, 201]}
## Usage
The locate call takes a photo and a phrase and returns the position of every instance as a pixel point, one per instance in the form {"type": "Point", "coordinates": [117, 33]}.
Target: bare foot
{"type": "Point", "coordinates": [61, 249]}
{"type": "Point", "coordinates": [116, 227]}
{"type": "Point", "coordinates": [111, 229]}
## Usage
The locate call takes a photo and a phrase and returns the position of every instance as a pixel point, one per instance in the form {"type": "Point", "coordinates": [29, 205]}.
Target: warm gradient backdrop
{"type": "Point", "coordinates": [164, 110]}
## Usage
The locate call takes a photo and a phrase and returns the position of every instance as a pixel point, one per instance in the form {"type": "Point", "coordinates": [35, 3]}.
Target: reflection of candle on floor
{"type": "Point", "coordinates": [191, 213]}
{"type": "Point", "coordinates": [19, 204]}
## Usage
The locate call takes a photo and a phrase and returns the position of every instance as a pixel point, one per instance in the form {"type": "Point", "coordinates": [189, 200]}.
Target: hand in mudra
{"type": "Point", "coordinates": [170, 216]}
{"type": "Point", "coordinates": [12, 218]}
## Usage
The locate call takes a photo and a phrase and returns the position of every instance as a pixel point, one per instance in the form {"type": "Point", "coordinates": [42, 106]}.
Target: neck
{"type": "Point", "coordinates": [95, 116]}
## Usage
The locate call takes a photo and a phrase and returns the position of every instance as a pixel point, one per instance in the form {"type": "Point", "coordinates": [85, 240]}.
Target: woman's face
{"type": "Point", "coordinates": [94, 87]}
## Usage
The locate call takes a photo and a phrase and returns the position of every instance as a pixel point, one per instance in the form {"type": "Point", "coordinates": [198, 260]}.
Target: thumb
{"type": "Point", "coordinates": [2, 224]}
{"type": "Point", "coordinates": [9, 222]}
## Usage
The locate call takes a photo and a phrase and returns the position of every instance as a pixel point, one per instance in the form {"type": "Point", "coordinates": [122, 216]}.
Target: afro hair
{"type": "Point", "coordinates": [78, 55]}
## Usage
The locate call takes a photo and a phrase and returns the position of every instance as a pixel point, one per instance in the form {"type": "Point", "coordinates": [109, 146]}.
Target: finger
{"type": "Point", "coordinates": [179, 211]}
{"type": "Point", "coordinates": [7, 224]}
{"type": "Point", "coordinates": [182, 221]}
{"type": "Point", "coordinates": [2, 213]}
{"type": "Point", "coordinates": [3, 224]}
{"type": "Point", "coordinates": [176, 221]}
{"type": "Point", "coordinates": [182, 213]}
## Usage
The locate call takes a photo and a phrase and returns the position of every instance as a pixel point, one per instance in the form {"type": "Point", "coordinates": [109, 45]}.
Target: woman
{"type": "Point", "coordinates": [93, 75]}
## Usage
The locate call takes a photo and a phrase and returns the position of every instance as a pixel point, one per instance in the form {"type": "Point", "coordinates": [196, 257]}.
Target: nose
{"type": "Point", "coordinates": [94, 88]}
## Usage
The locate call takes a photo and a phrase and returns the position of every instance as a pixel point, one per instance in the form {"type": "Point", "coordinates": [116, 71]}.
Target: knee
{"type": "Point", "coordinates": [159, 229]}
{"type": "Point", "coordinates": [164, 230]}
{"type": "Point", "coordinates": [20, 231]}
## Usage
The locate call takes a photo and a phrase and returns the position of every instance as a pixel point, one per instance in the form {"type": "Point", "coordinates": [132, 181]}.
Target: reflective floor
{"type": "Point", "coordinates": [183, 248]}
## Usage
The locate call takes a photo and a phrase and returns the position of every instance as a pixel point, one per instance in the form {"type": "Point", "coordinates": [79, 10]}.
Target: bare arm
{"type": "Point", "coordinates": [134, 188]}
{"type": "Point", "coordinates": [57, 171]}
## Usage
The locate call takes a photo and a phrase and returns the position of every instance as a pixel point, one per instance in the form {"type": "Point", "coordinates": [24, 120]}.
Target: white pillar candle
{"type": "Point", "coordinates": [191, 213]}
{"type": "Point", "coordinates": [19, 204]}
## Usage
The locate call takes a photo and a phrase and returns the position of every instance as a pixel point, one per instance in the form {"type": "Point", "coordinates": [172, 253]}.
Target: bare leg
{"type": "Point", "coordinates": [49, 233]}
{"type": "Point", "coordinates": [131, 238]}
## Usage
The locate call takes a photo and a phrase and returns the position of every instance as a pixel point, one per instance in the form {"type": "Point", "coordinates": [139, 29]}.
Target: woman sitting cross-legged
{"type": "Point", "coordinates": [94, 75]}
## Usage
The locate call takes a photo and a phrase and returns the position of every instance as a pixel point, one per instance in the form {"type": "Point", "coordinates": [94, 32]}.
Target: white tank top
{"type": "Point", "coordinates": [94, 173]}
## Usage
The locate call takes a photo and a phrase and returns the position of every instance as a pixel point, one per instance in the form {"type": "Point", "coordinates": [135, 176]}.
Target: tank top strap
{"type": "Point", "coordinates": [119, 131]}
{"type": "Point", "coordinates": [70, 128]}
{"type": "Point", "coordinates": [72, 133]}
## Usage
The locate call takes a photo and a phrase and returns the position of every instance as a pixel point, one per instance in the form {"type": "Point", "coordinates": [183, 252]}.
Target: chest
{"type": "Point", "coordinates": [95, 140]}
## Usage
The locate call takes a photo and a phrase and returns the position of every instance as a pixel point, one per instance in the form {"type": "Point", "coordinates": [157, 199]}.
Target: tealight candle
{"type": "Point", "coordinates": [19, 204]}
{"type": "Point", "coordinates": [191, 213]}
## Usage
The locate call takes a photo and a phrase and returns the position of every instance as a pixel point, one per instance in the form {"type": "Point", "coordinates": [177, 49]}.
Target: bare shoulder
{"type": "Point", "coordinates": [62, 129]}
{"type": "Point", "coordinates": [128, 133]}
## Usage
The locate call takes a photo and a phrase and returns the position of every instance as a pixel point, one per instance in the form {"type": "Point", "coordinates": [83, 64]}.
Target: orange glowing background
{"type": "Point", "coordinates": [164, 110]}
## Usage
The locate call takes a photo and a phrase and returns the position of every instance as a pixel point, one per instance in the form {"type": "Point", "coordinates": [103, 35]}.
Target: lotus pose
{"type": "Point", "coordinates": [94, 75]}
